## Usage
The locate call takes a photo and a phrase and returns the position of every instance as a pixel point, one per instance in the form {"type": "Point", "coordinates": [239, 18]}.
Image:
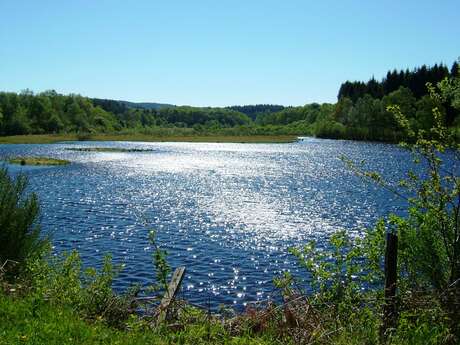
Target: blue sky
{"type": "Point", "coordinates": [218, 52]}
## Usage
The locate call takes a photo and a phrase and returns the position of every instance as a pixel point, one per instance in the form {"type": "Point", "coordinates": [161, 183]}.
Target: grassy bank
{"type": "Point", "coordinates": [37, 138]}
{"type": "Point", "coordinates": [34, 321]}
{"type": "Point", "coordinates": [53, 138]}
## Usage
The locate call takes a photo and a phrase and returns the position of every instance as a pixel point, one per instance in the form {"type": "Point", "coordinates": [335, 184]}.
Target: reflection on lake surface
{"type": "Point", "coordinates": [227, 212]}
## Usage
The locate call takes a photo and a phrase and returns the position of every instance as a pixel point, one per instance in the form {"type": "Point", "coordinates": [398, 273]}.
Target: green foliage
{"type": "Point", "coordinates": [329, 129]}
{"type": "Point", "coordinates": [342, 272]}
{"type": "Point", "coordinates": [362, 107]}
{"type": "Point", "coordinates": [349, 272]}
{"type": "Point", "coordinates": [430, 234]}
{"type": "Point", "coordinates": [258, 110]}
{"type": "Point", "coordinates": [20, 236]}
{"type": "Point", "coordinates": [339, 275]}
{"type": "Point", "coordinates": [423, 326]}
{"type": "Point", "coordinates": [100, 301]}
{"type": "Point", "coordinates": [34, 321]}
{"type": "Point", "coordinates": [414, 80]}
{"type": "Point", "coordinates": [52, 113]}
{"type": "Point", "coordinates": [89, 292]}
{"type": "Point", "coordinates": [347, 279]}
{"type": "Point", "coordinates": [308, 113]}
{"type": "Point", "coordinates": [332, 271]}
{"type": "Point", "coordinates": [162, 267]}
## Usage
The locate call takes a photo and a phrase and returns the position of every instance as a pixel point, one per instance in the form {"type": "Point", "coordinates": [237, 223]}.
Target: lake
{"type": "Point", "coordinates": [228, 212]}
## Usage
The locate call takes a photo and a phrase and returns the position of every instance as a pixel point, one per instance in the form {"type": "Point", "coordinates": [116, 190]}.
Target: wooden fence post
{"type": "Point", "coordinates": [391, 275]}
{"type": "Point", "coordinates": [169, 296]}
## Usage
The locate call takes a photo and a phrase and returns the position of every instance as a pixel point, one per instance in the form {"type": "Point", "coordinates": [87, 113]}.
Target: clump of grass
{"type": "Point", "coordinates": [37, 161]}
{"type": "Point", "coordinates": [106, 149]}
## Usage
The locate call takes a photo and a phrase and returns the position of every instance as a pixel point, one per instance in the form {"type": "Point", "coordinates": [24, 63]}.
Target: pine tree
{"type": "Point", "coordinates": [454, 70]}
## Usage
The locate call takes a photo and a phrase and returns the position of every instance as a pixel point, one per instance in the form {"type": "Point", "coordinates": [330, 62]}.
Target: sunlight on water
{"type": "Point", "coordinates": [228, 212]}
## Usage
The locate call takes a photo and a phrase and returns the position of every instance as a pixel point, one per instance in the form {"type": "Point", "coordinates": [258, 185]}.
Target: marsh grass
{"type": "Point", "coordinates": [160, 136]}
{"type": "Point", "coordinates": [37, 138]}
{"type": "Point", "coordinates": [37, 161]}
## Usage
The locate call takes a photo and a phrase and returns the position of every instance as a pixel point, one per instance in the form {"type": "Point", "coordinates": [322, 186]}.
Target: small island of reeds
{"type": "Point", "coordinates": [107, 149]}
{"type": "Point", "coordinates": [37, 161]}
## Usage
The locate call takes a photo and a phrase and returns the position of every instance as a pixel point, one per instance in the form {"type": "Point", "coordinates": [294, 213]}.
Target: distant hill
{"type": "Point", "coordinates": [147, 105]}
{"type": "Point", "coordinates": [118, 106]}
{"type": "Point", "coordinates": [258, 109]}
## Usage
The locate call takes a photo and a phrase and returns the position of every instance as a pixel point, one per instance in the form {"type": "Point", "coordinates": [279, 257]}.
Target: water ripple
{"type": "Point", "coordinates": [228, 212]}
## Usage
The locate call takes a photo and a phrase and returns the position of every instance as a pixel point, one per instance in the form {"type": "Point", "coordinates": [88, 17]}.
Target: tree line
{"type": "Point", "coordinates": [360, 112]}
{"type": "Point", "coordinates": [253, 111]}
{"type": "Point", "coordinates": [49, 112]}
{"type": "Point", "coordinates": [414, 80]}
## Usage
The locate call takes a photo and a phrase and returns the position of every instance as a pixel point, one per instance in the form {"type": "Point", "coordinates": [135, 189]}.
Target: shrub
{"type": "Point", "coordinates": [20, 233]}
{"type": "Point", "coordinates": [63, 282]}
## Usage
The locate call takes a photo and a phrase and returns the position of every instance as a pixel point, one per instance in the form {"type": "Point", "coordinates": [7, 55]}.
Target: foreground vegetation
{"type": "Point", "coordinates": [31, 320]}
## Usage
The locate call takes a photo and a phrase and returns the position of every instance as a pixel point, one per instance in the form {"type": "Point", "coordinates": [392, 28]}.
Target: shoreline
{"type": "Point", "coordinates": [55, 138]}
